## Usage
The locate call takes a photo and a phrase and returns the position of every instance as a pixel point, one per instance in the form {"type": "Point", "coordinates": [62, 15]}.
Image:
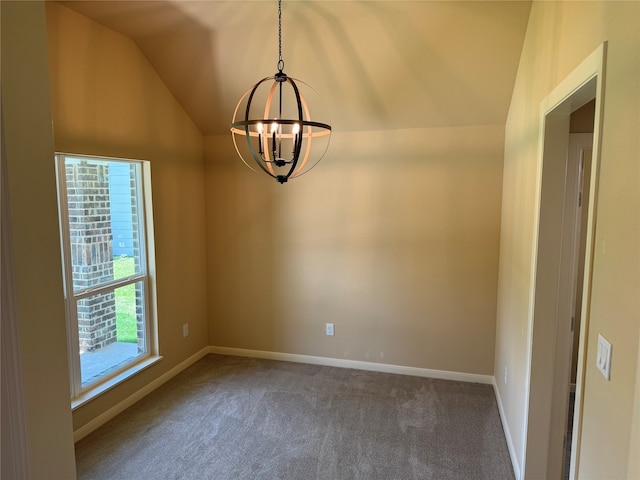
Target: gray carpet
{"type": "Point", "coordinates": [238, 418]}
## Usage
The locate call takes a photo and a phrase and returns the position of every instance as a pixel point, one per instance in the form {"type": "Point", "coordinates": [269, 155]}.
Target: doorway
{"type": "Point", "coordinates": [555, 275]}
{"type": "Point", "coordinates": [579, 157]}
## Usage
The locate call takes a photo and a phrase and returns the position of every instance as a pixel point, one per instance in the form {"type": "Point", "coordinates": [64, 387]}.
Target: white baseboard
{"type": "Point", "coordinates": [360, 365]}
{"type": "Point", "coordinates": [130, 400]}
{"type": "Point", "coordinates": [507, 433]}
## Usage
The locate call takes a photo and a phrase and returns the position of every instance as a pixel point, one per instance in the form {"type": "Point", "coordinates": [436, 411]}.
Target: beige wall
{"type": "Point", "coordinates": [559, 36]}
{"type": "Point", "coordinates": [393, 237]}
{"type": "Point", "coordinates": [28, 152]}
{"type": "Point", "coordinates": [107, 100]}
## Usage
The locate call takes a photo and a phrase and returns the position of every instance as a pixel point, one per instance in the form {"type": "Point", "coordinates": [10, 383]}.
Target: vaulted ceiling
{"type": "Point", "coordinates": [377, 64]}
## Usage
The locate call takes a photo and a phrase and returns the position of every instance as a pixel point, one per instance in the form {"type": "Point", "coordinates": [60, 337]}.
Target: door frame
{"type": "Point", "coordinates": [545, 399]}
{"type": "Point", "coordinates": [15, 458]}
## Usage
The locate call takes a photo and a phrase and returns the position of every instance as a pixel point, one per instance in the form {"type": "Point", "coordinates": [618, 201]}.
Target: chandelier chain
{"type": "Point", "coordinates": [280, 60]}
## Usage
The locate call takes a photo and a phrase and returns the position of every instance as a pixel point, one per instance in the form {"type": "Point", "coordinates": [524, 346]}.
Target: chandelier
{"type": "Point", "coordinates": [272, 128]}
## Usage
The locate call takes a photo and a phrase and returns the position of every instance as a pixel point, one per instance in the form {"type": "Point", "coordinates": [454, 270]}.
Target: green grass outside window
{"type": "Point", "coordinates": [126, 324]}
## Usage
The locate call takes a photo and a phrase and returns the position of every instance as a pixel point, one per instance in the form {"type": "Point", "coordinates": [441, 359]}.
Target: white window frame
{"type": "Point", "coordinates": [80, 394]}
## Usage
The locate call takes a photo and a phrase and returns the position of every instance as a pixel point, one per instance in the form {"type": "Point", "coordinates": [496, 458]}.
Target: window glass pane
{"type": "Point", "coordinates": [103, 220]}
{"type": "Point", "coordinates": [111, 330]}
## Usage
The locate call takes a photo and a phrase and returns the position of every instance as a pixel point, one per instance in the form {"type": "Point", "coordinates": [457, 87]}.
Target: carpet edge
{"type": "Point", "coordinates": [104, 417]}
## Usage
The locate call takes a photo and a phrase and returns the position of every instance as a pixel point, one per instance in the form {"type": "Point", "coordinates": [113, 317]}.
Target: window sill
{"type": "Point", "coordinates": [99, 389]}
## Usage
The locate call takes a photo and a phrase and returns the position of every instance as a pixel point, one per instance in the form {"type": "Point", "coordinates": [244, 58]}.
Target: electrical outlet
{"type": "Point", "coordinates": [329, 329]}
{"type": "Point", "coordinates": [505, 375]}
{"type": "Point", "coordinates": [185, 330]}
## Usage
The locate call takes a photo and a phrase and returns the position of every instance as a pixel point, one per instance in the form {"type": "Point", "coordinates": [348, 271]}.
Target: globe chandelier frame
{"type": "Point", "coordinates": [277, 138]}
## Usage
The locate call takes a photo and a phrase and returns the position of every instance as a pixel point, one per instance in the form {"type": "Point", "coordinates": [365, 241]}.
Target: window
{"type": "Point", "coordinates": [105, 230]}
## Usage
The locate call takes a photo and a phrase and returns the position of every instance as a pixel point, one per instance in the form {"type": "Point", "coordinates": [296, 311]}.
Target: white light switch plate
{"type": "Point", "coordinates": [603, 357]}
